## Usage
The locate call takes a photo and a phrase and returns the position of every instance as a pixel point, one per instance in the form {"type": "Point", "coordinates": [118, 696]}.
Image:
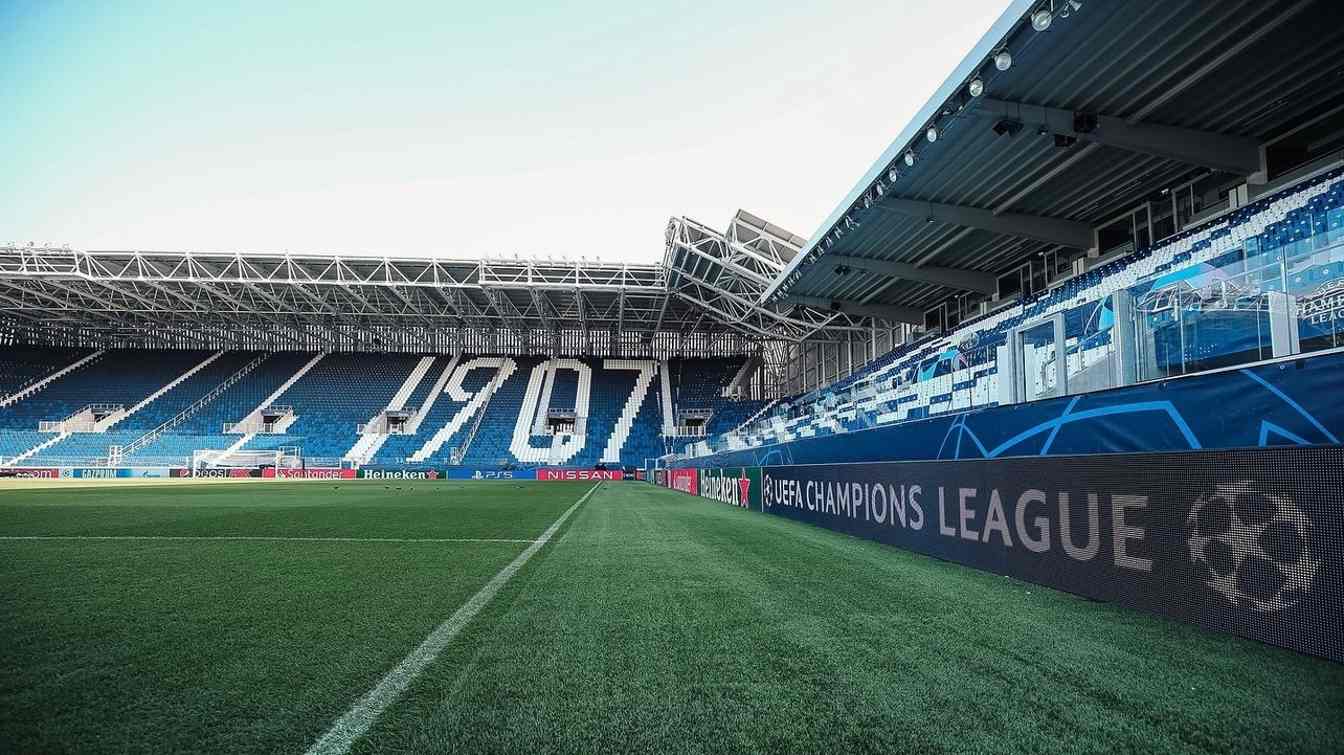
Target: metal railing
{"type": "Point", "coordinates": [57, 426]}
{"type": "Point", "coordinates": [190, 411]}
{"type": "Point", "coordinates": [460, 453]}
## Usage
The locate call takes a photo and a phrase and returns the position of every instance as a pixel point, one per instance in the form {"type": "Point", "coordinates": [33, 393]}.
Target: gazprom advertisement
{"type": "Point", "coordinates": [1230, 540]}
{"type": "Point", "coordinates": [109, 473]}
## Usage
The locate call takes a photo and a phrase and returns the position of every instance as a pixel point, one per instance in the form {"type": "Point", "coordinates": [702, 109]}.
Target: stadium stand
{"type": "Point", "coordinates": [1290, 241]}
{"type": "Point", "coordinates": [21, 367]}
{"type": "Point", "coordinates": [463, 411]}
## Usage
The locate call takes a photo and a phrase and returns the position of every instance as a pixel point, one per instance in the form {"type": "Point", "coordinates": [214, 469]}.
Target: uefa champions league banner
{"type": "Point", "coordinates": [1246, 542]}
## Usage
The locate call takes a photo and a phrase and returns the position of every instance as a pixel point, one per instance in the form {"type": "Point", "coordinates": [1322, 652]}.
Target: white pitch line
{"type": "Point", "coordinates": [277, 538]}
{"type": "Point", "coordinates": [356, 721]}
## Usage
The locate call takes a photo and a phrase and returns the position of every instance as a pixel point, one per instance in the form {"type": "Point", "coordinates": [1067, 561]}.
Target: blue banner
{"type": "Point", "coordinates": [1248, 541]}
{"type": "Point", "coordinates": [1290, 403]}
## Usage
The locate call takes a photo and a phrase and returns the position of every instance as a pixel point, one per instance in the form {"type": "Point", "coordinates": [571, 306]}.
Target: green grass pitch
{"type": "Point", "coordinates": [249, 617]}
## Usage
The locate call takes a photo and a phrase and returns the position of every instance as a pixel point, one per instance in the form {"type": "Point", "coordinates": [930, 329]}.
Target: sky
{"type": "Point", "coordinates": [451, 129]}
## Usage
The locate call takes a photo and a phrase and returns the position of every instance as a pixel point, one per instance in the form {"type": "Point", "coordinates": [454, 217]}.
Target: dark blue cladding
{"type": "Point", "coordinates": [1294, 403]}
{"type": "Point", "coordinates": [1247, 542]}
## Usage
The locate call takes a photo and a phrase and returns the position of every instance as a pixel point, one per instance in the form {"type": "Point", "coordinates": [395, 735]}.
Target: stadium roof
{"type": "Point", "coordinates": [108, 289]}
{"type": "Point", "coordinates": [1152, 93]}
{"type": "Point", "coordinates": [1140, 95]}
{"type": "Point", "coordinates": [369, 302]}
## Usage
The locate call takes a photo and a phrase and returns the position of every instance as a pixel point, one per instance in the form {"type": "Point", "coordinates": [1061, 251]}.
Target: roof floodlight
{"type": "Point", "coordinates": [1040, 20]}
{"type": "Point", "coordinates": [1003, 60]}
{"type": "Point", "coordinates": [976, 87]}
{"type": "Point", "coordinates": [893, 174]}
{"type": "Point", "coordinates": [931, 134]}
{"type": "Point", "coordinates": [910, 158]}
{"type": "Point", "coordinates": [1069, 7]}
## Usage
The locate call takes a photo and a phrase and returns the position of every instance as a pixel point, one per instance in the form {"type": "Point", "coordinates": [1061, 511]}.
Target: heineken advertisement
{"type": "Point", "coordinates": [1241, 541]}
{"type": "Point", "coordinates": [737, 486]}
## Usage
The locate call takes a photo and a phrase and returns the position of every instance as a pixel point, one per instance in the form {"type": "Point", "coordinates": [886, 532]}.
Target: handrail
{"type": "Point", "coordinates": [460, 453]}
{"type": "Point", "coordinates": [191, 410]}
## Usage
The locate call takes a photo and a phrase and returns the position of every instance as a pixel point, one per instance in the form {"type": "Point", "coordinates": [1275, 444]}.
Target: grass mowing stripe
{"type": "Point", "coordinates": [278, 538]}
{"type": "Point", "coordinates": [356, 721]}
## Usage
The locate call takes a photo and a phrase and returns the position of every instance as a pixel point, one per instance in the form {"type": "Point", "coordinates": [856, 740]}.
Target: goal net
{"type": "Point", "coordinates": [210, 458]}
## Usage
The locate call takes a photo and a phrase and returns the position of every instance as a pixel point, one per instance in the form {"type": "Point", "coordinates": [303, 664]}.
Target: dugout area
{"type": "Point", "coordinates": [248, 617]}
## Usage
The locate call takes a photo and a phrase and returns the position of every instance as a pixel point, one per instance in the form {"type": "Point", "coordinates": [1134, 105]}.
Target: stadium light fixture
{"type": "Point", "coordinates": [931, 134]}
{"type": "Point", "coordinates": [1003, 60]}
{"type": "Point", "coordinates": [1040, 20]}
{"type": "Point", "coordinates": [893, 174]}
{"type": "Point", "coordinates": [1069, 7]}
{"type": "Point", "coordinates": [976, 87]}
{"type": "Point", "coordinates": [910, 158]}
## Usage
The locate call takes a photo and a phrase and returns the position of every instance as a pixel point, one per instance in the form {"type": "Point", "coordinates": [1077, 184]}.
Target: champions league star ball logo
{"type": "Point", "coordinates": [1252, 547]}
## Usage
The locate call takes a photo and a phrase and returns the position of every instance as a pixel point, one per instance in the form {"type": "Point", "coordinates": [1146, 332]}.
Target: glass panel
{"type": "Point", "coordinates": [1088, 331]}
{"type": "Point", "coordinates": [1142, 237]}
{"type": "Point", "coordinates": [1206, 315]}
{"type": "Point", "coordinates": [1038, 351]}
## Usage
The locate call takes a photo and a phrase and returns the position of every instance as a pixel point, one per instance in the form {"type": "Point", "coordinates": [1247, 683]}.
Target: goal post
{"type": "Point", "coordinates": [212, 458]}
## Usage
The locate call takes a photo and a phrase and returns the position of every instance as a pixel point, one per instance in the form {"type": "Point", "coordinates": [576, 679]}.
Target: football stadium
{"type": "Point", "coordinates": [1032, 446]}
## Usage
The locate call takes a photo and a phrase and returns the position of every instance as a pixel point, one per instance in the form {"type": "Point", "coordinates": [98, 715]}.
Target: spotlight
{"type": "Point", "coordinates": [1069, 7]}
{"type": "Point", "coordinates": [976, 87]}
{"type": "Point", "coordinates": [931, 134]}
{"type": "Point", "coordinates": [1007, 127]}
{"type": "Point", "coordinates": [892, 175]}
{"type": "Point", "coordinates": [1040, 20]}
{"type": "Point", "coordinates": [910, 158]}
{"type": "Point", "coordinates": [1003, 60]}
{"type": "Point", "coordinates": [867, 201]}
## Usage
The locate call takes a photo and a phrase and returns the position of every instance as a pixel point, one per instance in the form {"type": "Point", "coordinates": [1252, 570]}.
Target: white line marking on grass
{"type": "Point", "coordinates": [275, 538]}
{"type": "Point", "coordinates": [356, 721]}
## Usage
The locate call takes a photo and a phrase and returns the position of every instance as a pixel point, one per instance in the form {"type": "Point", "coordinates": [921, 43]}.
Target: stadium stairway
{"type": "Point", "coordinates": [338, 393]}
{"type": "Point", "coordinates": [251, 422]}
{"type": "Point", "coordinates": [463, 404]}
{"type": "Point", "coordinates": [431, 411]}
{"type": "Point", "coordinates": [665, 383]}
{"type": "Point", "coordinates": [424, 400]}
{"type": "Point", "coordinates": [119, 377]}
{"type": "Point", "coordinates": [30, 370]}
{"type": "Point", "coordinates": [116, 418]}
{"type": "Point", "coordinates": [625, 422]}
{"type": "Point", "coordinates": [369, 442]}
{"type": "Point", "coordinates": [190, 413]}
{"type": "Point", "coordinates": [42, 445]}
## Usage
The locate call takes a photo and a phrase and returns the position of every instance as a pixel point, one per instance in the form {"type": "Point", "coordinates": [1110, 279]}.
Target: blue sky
{"type": "Point", "coordinates": [450, 129]}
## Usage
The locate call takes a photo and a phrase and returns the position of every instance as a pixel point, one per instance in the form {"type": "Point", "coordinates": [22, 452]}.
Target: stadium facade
{"type": "Point", "coordinates": [1116, 228]}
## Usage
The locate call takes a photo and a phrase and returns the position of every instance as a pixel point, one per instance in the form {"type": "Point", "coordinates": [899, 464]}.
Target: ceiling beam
{"type": "Point", "coordinates": [966, 280]}
{"type": "Point", "coordinates": [888, 312]}
{"type": "Point", "coordinates": [1050, 230]}
{"type": "Point", "coordinates": [1237, 155]}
